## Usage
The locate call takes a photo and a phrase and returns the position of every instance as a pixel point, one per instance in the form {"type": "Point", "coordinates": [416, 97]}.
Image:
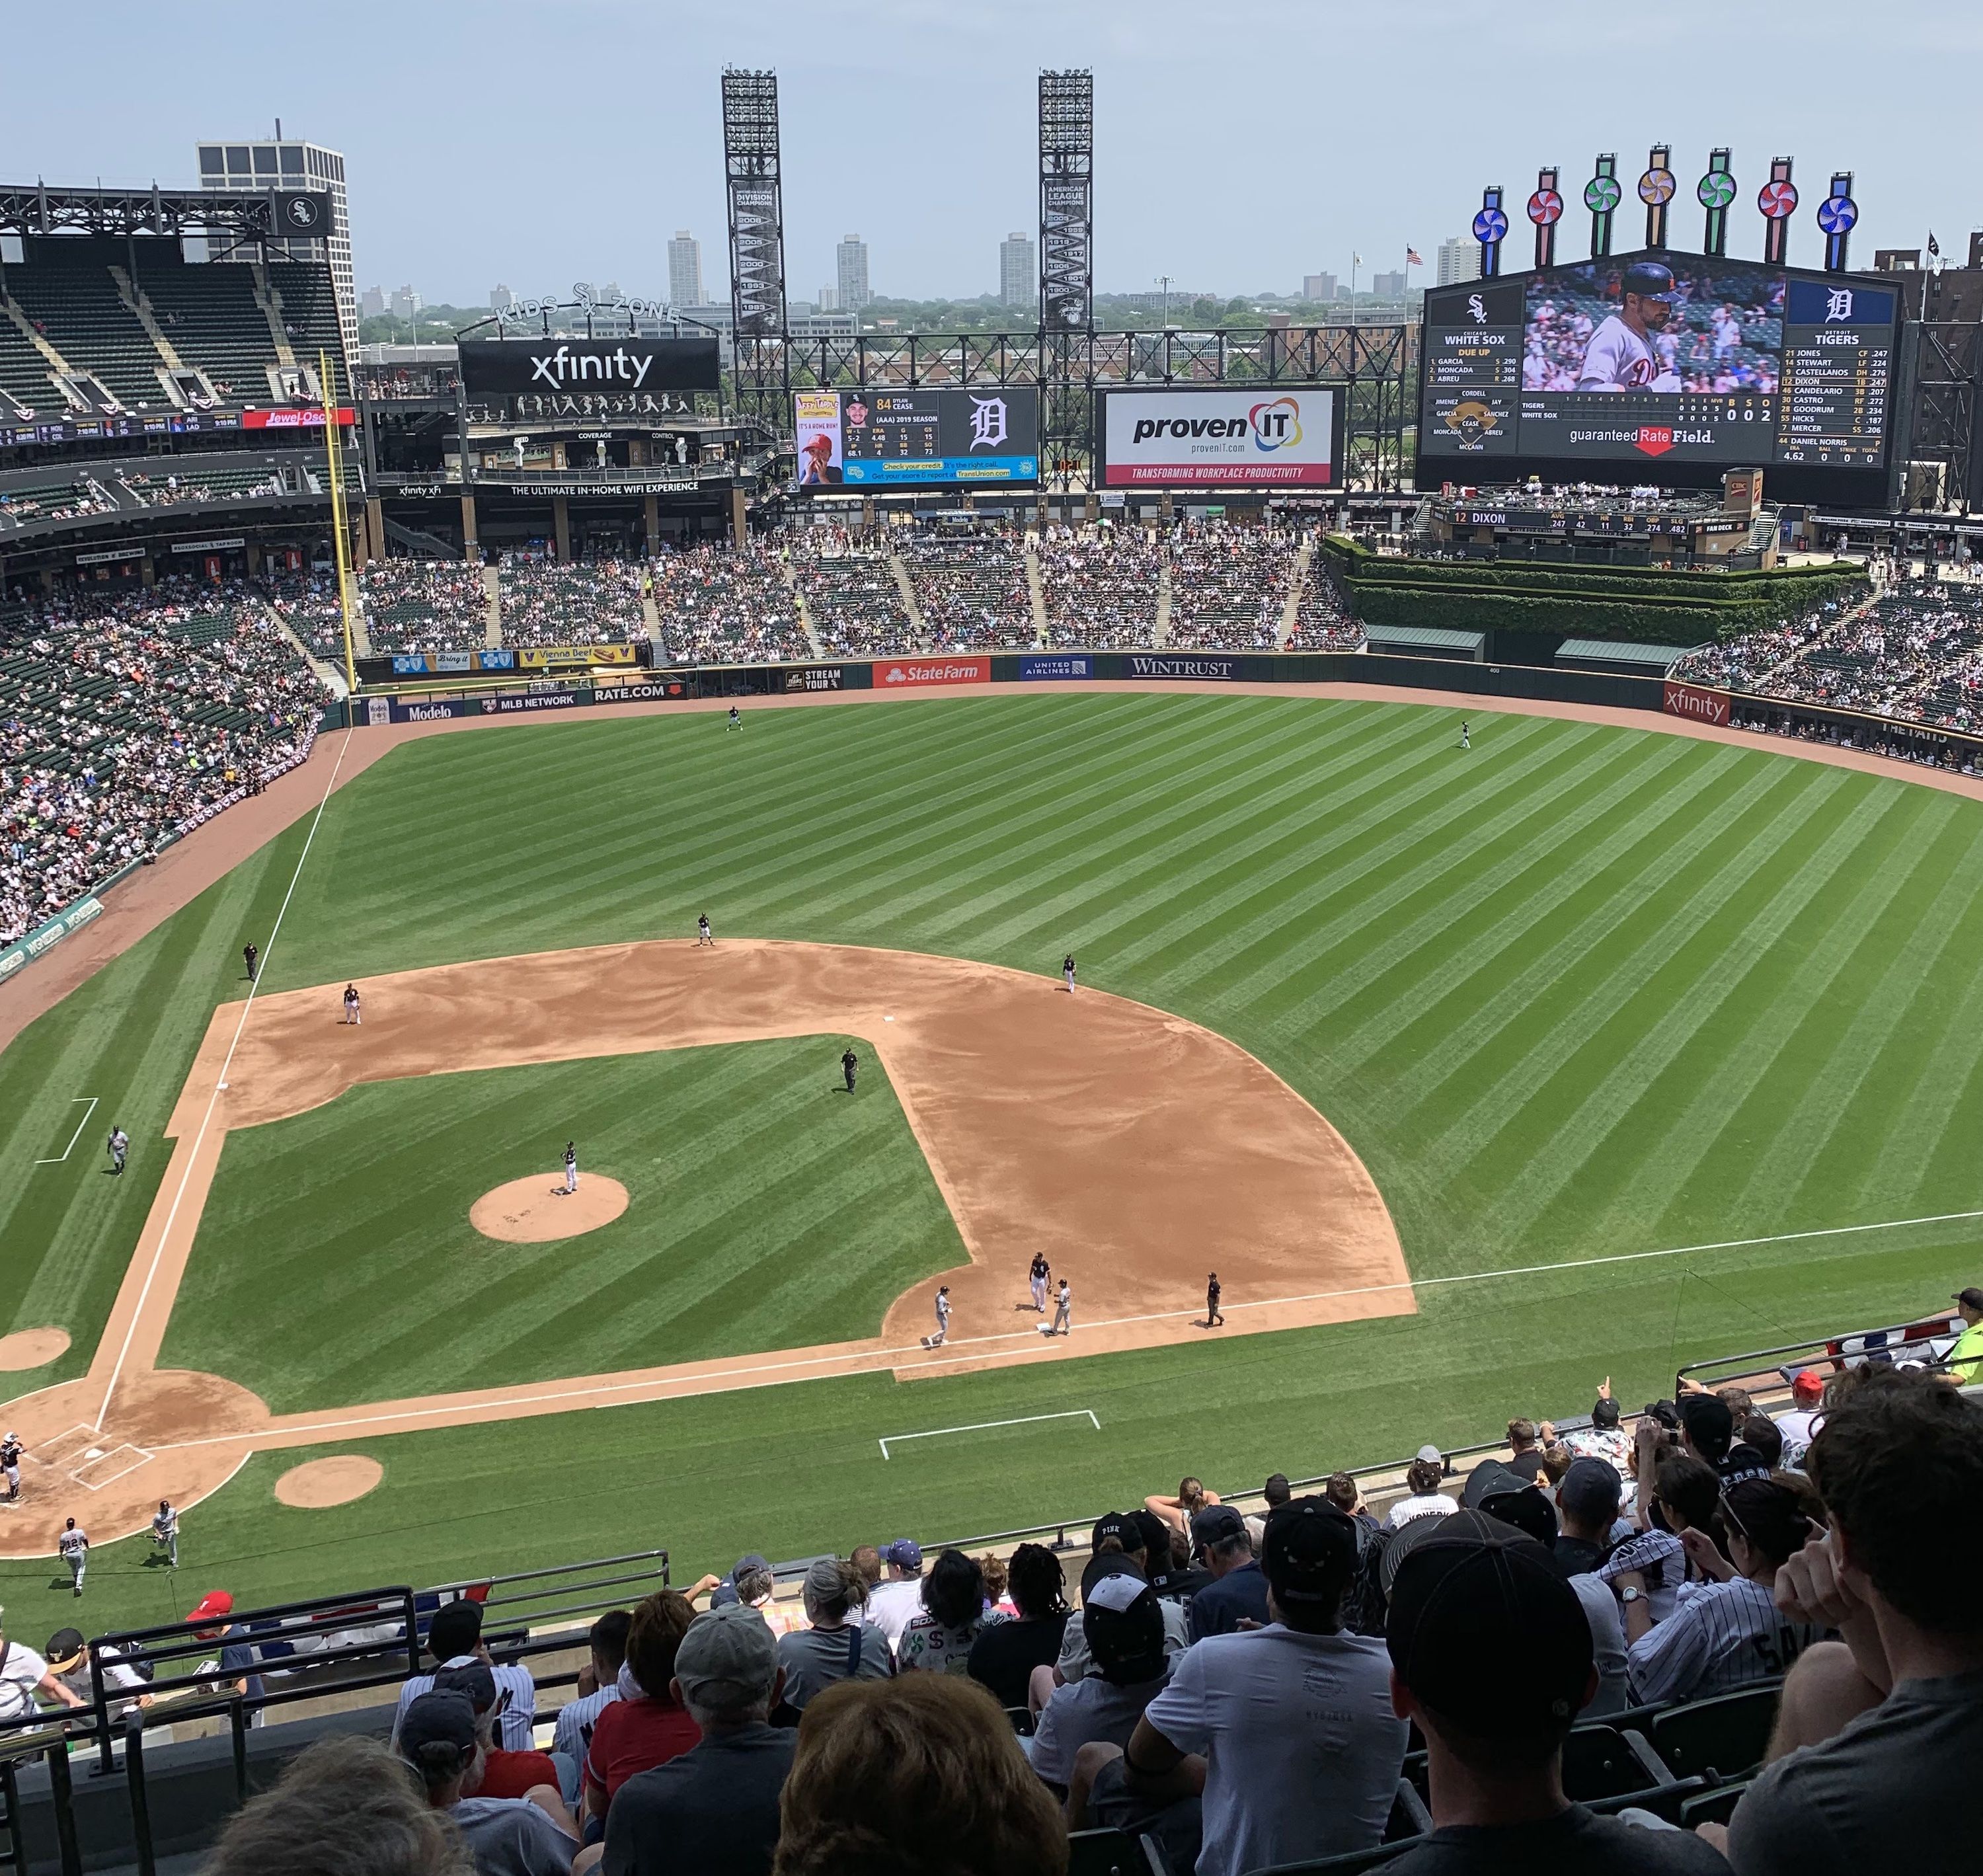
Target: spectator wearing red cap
{"type": "Point", "coordinates": [1284, 1776]}
{"type": "Point", "coordinates": [237, 1652]}
{"type": "Point", "coordinates": [1799, 1426]}
{"type": "Point", "coordinates": [1491, 1655]}
{"type": "Point", "coordinates": [1879, 1736]}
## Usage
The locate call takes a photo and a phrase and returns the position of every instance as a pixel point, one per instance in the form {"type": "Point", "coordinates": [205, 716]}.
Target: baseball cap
{"type": "Point", "coordinates": [729, 1654]}
{"type": "Point", "coordinates": [1970, 1299]}
{"type": "Point", "coordinates": [1604, 1414]}
{"type": "Point", "coordinates": [1708, 1422]}
{"type": "Point", "coordinates": [904, 1553]}
{"type": "Point", "coordinates": [1122, 1526]}
{"type": "Point", "coordinates": [1125, 1627]}
{"type": "Point", "coordinates": [1486, 1632]}
{"type": "Point", "coordinates": [1101, 1566]}
{"type": "Point", "coordinates": [476, 1679]}
{"type": "Point", "coordinates": [1431, 1455]}
{"type": "Point", "coordinates": [1310, 1551]}
{"type": "Point", "coordinates": [1590, 1489]}
{"type": "Point", "coordinates": [1402, 1545]}
{"type": "Point", "coordinates": [1505, 1496]}
{"type": "Point", "coordinates": [1215, 1523]}
{"type": "Point", "coordinates": [446, 1718]}
{"type": "Point", "coordinates": [753, 1561]}
{"type": "Point", "coordinates": [66, 1649]}
{"type": "Point", "coordinates": [1808, 1384]}
{"type": "Point", "coordinates": [1650, 280]}
{"type": "Point", "coordinates": [212, 1608]}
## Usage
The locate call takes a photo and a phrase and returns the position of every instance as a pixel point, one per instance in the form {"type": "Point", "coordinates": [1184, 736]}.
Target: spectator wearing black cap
{"type": "Point", "coordinates": [1284, 1775]}
{"type": "Point", "coordinates": [1729, 1631]}
{"type": "Point", "coordinates": [1586, 1504]}
{"type": "Point", "coordinates": [1125, 1628]}
{"type": "Point", "coordinates": [454, 1639]}
{"type": "Point", "coordinates": [508, 1836]}
{"type": "Point", "coordinates": [504, 1774]}
{"type": "Point", "coordinates": [838, 1645]}
{"type": "Point", "coordinates": [1491, 1655]}
{"type": "Point", "coordinates": [1004, 1656]}
{"type": "Point", "coordinates": [1237, 1594]}
{"type": "Point", "coordinates": [1707, 1431]}
{"type": "Point", "coordinates": [1965, 1359]}
{"type": "Point", "coordinates": [714, 1810]}
{"type": "Point", "coordinates": [1525, 1459]}
{"type": "Point", "coordinates": [892, 1603]}
{"type": "Point", "coordinates": [1604, 1438]}
{"type": "Point", "coordinates": [1897, 1703]}
{"type": "Point", "coordinates": [1114, 1531]}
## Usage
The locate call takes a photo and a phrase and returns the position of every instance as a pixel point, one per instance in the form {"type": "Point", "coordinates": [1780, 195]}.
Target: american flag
{"type": "Point", "coordinates": [1412, 258]}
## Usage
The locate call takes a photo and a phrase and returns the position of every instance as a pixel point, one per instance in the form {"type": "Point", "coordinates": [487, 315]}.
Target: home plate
{"type": "Point", "coordinates": [888, 1019]}
{"type": "Point", "coordinates": [94, 1452]}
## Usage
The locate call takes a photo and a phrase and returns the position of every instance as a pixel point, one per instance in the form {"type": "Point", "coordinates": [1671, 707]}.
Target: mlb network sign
{"type": "Point", "coordinates": [1263, 437]}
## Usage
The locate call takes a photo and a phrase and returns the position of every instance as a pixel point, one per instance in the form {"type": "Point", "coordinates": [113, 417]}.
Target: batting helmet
{"type": "Point", "coordinates": [1651, 279]}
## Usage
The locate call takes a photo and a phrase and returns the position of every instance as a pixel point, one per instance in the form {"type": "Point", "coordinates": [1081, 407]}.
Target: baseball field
{"type": "Point", "coordinates": [1479, 1076]}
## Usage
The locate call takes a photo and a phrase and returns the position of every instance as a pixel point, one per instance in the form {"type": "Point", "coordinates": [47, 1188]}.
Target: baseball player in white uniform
{"type": "Point", "coordinates": [571, 1165]}
{"type": "Point", "coordinates": [74, 1546]}
{"type": "Point", "coordinates": [10, 1462]}
{"type": "Point", "coordinates": [1036, 1281]}
{"type": "Point", "coordinates": [942, 1320]}
{"type": "Point", "coordinates": [166, 1532]}
{"type": "Point", "coordinates": [120, 1145]}
{"type": "Point", "coordinates": [1067, 969]}
{"type": "Point", "coordinates": [1620, 356]}
{"type": "Point", "coordinates": [1063, 1322]}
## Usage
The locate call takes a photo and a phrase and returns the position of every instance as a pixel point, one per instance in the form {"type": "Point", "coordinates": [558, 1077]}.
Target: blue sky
{"type": "Point", "coordinates": [1239, 148]}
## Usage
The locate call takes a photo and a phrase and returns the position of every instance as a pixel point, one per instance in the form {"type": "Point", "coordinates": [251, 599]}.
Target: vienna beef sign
{"type": "Point", "coordinates": [510, 367]}
{"type": "Point", "coordinates": [1696, 703]}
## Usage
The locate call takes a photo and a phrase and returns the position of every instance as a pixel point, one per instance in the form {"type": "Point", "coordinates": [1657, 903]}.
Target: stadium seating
{"type": "Point", "coordinates": [555, 602]}
{"type": "Point", "coordinates": [309, 605]}
{"type": "Point", "coordinates": [69, 496]}
{"type": "Point", "coordinates": [1101, 587]}
{"type": "Point", "coordinates": [424, 606]}
{"type": "Point", "coordinates": [850, 592]}
{"type": "Point", "coordinates": [24, 371]}
{"type": "Point", "coordinates": [724, 606]}
{"type": "Point", "coordinates": [1323, 619]}
{"type": "Point", "coordinates": [972, 591]}
{"type": "Point", "coordinates": [211, 318]}
{"type": "Point", "coordinates": [67, 290]}
{"type": "Point", "coordinates": [1229, 586]}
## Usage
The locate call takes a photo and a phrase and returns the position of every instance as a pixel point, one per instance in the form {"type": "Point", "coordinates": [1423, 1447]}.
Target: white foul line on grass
{"type": "Point", "coordinates": [205, 1119]}
{"type": "Point", "coordinates": [75, 1136]}
{"type": "Point", "coordinates": [1025, 1419]}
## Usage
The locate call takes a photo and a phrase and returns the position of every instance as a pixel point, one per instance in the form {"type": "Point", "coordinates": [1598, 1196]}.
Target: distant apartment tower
{"type": "Point", "coordinates": [851, 260]}
{"type": "Point", "coordinates": [684, 269]}
{"type": "Point", "coordinates": [288, 162]}
{"type": "Point", "coordinates": [500, 299]}
{"type": "Point", "coordinates": [1018, 270]}
{"type": "Point", "coordinates": [372, 303]}
{"type": "Point", "coordinates": [829, 300]}
{"type": "Point", "coordinates": [1459, 259]}
{"type": "Point", "coordinates": [1388, 285]}
{"type": "Point", "coordinates": [405, 302]}
{"type": "Point", "coordinates": [1320, 287]}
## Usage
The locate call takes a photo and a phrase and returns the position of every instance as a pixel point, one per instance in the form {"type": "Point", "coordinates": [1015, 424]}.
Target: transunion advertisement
{"type": "Point", "coordinates": [1264, 436]}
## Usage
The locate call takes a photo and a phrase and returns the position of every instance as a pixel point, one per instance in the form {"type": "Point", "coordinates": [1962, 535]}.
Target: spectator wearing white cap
{"type": "Point", "coordinates": [838, 1646]}
{"type": "Point", "coordinates": [714, 1810]}
{"type": "Point", "coordinates": [1423, 1498]}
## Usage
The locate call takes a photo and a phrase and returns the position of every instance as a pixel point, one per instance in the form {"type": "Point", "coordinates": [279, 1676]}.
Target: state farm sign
{"type": "Point", "coordinates": [924, 674]}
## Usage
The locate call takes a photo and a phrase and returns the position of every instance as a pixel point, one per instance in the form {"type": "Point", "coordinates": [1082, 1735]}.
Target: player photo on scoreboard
{"type": "Point", "coordinates": [1678, 322]}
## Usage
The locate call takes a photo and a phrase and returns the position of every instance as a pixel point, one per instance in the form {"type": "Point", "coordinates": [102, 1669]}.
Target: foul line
{"type": "Point", "coordinates": [213, 1094]}
{"type": "Point", "coordinates": [75, 1136]}
{"type": "Point", "coordinates": [979, 1426]}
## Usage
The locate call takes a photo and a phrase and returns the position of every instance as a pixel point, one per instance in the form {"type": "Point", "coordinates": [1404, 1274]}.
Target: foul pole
{"type": "Point", "coordinates": [340, 535]}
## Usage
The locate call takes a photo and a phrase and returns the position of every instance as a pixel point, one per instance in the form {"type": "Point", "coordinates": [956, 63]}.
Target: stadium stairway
{"type": "Point", "coordinates": [1036, 585]}
{"type": "Point", "coordinates": [906, 587]}
{"type": "Point", "coordinates": [1291, 606]}
{"type": "Point", "coordinates": [1161, 635]}
{"type": "Point", "coordinates": [789, 574]}
{"type": "Point", "coordinates": [492, 585]}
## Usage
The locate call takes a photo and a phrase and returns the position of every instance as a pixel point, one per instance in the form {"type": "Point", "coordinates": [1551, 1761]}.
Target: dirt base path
{"type": "Point", "coordinates": [1137, 1150]}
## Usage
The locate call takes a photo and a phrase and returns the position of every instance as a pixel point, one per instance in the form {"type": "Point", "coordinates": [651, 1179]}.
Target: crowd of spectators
{"type": "Point", "coordinates": [1100, 586]}
{"type": "Point", "coordinates": [720, 605]}
{"type": "Point", "coordinates": [424, 606]}
{"type": "Point", "coordinates": [173, 490]}
{"type": "Point", "coordinates": [70, 500]}
{"type": "Point", "coordinates": [973, 591]}
{"type": "Point", "coordinates": [127, 720]}
{"type": "Point", "coordinates": [1252, 1693]}
{"type": "Point", "coordinates": [570, 602]}
{"type": "Point", "coordinates": [309, 604]}
{"type": "Point", "coordinates": [1323, 620]}
{"type": "Point", "coordinates": [852, 593]}
{"type": "Point", "coordinates": [1228, 586]}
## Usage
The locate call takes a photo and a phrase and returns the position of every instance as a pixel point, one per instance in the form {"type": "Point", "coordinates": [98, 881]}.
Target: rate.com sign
{"type": "Point", "coordinates": [1264, 437]}
{"type": "Point", "coordinates": [928, 673]}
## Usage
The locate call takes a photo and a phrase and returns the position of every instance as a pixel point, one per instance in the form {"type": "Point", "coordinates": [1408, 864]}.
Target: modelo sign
{"type": "Point", "coordinates": [550, 367]}
{"type": "Point", "coordinates": [928, 673]}
{"type": "Point", "coordinates": [1263, 437]}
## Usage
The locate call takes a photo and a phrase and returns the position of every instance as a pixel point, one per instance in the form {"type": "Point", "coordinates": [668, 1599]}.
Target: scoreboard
{"type": "Point", "coordinates": [1691, 362]}
{"type": "Point", "coordinates": [917, 438]}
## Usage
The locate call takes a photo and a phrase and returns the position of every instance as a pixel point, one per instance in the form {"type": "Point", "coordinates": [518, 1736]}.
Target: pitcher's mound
{"type": "Point", "coordinates": [538, 1210]}
{"type": "Point", "coordinates": [320, 1483]}
{"type": "Point", "coordinates": [31, 1348]}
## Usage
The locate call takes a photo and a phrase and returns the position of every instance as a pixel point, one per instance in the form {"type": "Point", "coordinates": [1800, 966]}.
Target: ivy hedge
{"type": "Point", "coordinates": [1636, 603]}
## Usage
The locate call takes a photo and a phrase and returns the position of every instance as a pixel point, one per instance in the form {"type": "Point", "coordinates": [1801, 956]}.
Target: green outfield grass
{"type": "Point", "coordinates": [766, 1209]}
{"type": "Point", "coordinates": [1580, 991]}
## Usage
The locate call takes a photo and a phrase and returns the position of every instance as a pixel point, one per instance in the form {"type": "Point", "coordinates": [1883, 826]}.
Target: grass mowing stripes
{"type": "Point", "coordinates": [335, 1263]}
{"type": "Point", "coordinates": [1578, 991]}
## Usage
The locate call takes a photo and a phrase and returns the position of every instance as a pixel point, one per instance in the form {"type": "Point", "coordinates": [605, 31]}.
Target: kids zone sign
{"type": "Point", "coordinates": [1258, 437]}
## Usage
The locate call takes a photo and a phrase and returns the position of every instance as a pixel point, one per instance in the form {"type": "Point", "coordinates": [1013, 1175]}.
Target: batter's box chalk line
{"type": "Point", "coordinates": [88, 1104]}
{"type": "Point", "coordinates": [59, 1452]}
{"type": "Point", "coordinates": [980, 1426]}
{"type": "Point", "coordinates": [107, 1468]}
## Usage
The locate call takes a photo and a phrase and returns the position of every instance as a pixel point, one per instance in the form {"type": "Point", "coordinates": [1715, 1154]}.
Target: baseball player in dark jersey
{"type": "Point", "coordinates": [571, 1165]}
{"type": "Point", "coordinates": [702, 933]}
{"type": "Point", "coordinates": [1067, 969]}
{"type": "Point", "coordinates": [1212, 1318]}
{"type": "Point", "coordinates": [735, 723]}
{"type": "Point", "coordinates": [10, 1463]}
{"type": "Point", "coordinates": [249, 954]}
{"type": "Point", "coordinates": [1036, 1281]}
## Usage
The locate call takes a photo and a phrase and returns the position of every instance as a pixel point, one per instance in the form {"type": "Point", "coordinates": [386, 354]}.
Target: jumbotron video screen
{"type": "Point", "coordinates": [1659, 357]}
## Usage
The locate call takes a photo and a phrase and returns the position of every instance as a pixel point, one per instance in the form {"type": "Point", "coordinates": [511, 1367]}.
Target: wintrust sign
{"type": "Point", "coordinates": [509, 367]}
{"type": "Point", "coordinates": [930, 673]}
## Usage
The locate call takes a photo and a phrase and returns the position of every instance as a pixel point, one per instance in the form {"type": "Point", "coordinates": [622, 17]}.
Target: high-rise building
{"type": "Point", "coordinates": [1459, 259]}
{"type": "Point", "coordinates": [829, 300]}
{"type": "Point", "coordinates": [372, 303]}
{"type": "Point", "coordinates": [1318, 286]}
{"type": "Point", "coordinates": [684, 269]}
{"type": "Point", "coordinates": [289, 162]}
{"type": "Point", "coordinates": [1018, 270]}
{"type": "Point", "coordinates": [851, 257]}
{"type": "Point", "coordinates": [1388, 285]}
{"type": "Point", "coordinates": [405, 302]}
{"type": "Point", "coordinates": [500, 299]}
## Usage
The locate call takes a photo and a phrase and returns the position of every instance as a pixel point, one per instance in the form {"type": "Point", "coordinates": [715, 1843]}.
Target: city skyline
{"type": "Point", "coordinates": [1291, 191]}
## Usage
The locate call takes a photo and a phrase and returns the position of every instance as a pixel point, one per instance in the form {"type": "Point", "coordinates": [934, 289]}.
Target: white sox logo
{"type": "Point", "coordinates": [1476, 308]}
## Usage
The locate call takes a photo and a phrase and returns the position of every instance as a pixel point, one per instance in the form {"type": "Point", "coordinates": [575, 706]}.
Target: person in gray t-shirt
{"type": "Point", "coordinates": [835, 1647]}
{"type": "Point", "coordinates": [1879, 1734]}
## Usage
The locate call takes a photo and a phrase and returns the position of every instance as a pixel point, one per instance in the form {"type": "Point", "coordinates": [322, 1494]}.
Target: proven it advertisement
{"type": "Point", "coordinates": [1263, 437]}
